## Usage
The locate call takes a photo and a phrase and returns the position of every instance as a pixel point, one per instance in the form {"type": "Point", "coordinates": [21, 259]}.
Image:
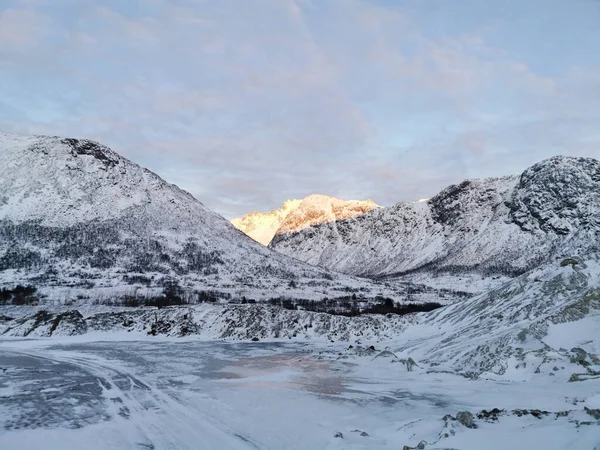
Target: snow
{"type": "Point", "coordinates": [115, 386]}
{"type": "Point", "coordinates": [576, 334]}
{"type": "Point", "coordinates": [543, 322]}
{"type": "Point", "coordinates": [487, 229]}
{"type": "Point", "coordinates": [78, 375]}
{"type": "Point", "coordinates": [75, 217]}
{"type": "Point", "coordinates": [193, 395]}
{"type": "Point", "coordinates": [262, 226]}
{"type": "Point", "coordinates": [296, 215]}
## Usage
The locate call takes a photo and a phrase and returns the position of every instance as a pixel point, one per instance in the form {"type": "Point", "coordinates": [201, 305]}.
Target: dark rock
{"type": "Point", "coordinates": [569, 262]}
{"type": "Point", "coordinates": [160, 327]}
{"type": "Point", "coordinates": [595, 413]}
{"type": "Point", "coordinates": [410, 363]}
{"type": "Point", "coordinates": [98, 151]}
{"type": "Point", "coordinates": [490, 416]}
{"type": "Point", "coordinates": [362, 433]}
{"type": "Point", "coordinates": [538, 414]}
{"type": "Point", "coordinates": [579, 357]}
{"type": "Point", "coordinates": [534, 412]}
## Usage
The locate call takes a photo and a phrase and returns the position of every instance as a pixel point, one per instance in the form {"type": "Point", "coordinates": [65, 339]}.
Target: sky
{"type": "Point", "coordinates": [247, 103]}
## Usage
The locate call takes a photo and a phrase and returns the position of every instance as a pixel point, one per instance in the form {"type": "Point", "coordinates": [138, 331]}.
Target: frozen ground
{"type": "Point", "coordinates": [168, 393]}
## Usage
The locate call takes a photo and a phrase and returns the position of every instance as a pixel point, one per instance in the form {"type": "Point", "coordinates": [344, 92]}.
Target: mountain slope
{"type": "Point", "coordinates": [541, 322]}
{"type": "Point", "coordinates": [78, 219]}
{"type": "Point", "coordinates": [296, 215]}
{"type": "Point", "coordinates": [263, 226]}
{"type": "Point", "coordinates": [491, 227]}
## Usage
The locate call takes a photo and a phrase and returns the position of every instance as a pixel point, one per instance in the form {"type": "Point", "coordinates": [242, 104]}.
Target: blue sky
{"type": "Point", "coordinates": [246, 103]}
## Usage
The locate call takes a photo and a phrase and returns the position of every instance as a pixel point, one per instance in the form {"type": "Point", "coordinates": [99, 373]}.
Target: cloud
{"type": "Point", "coordinates": [247, 103]}
{"type": "Point", "coordinates": [21, 28]}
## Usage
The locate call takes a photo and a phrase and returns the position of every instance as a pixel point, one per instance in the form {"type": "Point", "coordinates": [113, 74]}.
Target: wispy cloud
{"type": "Point", "coordinates": [246, 103]}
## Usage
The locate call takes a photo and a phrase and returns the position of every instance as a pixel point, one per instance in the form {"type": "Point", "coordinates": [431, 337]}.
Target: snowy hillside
{"type": "Point", "coordinates": [543, 322]}
{"type": "Point", "coordinates": [516, 366]}
{"type": "Point", "coordinates": [79, 221]}
{"type": "Point", "coordinates": [296, 215]}
{"type": "Point", "coordinates": [495, 228]}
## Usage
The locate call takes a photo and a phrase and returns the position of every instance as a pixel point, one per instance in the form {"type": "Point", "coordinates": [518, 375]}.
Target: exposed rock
{"type": "Point", "coordinates": [420, 446]}
{"type": "Point", "coordinates": [490, 416]}
{"type": "Point", "coordinates": [235, 322]}
{"type": "Point", "coordinates": [385, 354]}
{"type": "Point", "coordinates": [45, 324]}
{"type": "Point", "coordinates": [595, 413]}
{"type": "Point", "coordinates": [466, 418]}
{"type": "Point", "coordinates": [569, 262]}
{"type": "Point", "coordinates": [534, 412]}
{"type": "Point", "coordinates": [409, 363]}
{"type": "Point", "coordinates": [580, 357]}
{"type": "Point", "coordinates": [362, 433]}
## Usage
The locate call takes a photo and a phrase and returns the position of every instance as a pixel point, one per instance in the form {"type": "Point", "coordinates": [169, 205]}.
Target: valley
{"type": "Point", "coordinates": [153, 323]}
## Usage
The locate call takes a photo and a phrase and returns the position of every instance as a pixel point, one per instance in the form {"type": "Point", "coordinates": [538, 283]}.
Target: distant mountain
{"type": "Point", "coordinates": [296, 215]}
{"type": "Point", "coordinates": [490, 228]}
{"type": "Point", "coordinates": [79, 221]}
{"type": "Point", "coordinates": [262, 226]}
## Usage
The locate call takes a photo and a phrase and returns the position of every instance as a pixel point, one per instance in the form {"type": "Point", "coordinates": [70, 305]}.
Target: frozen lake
{"type": "Point", "coordinates": [177, 394]}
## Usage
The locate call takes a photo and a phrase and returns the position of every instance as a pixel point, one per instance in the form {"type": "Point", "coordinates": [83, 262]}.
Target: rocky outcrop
{"type": "Point", "coordinates": [232, 322]}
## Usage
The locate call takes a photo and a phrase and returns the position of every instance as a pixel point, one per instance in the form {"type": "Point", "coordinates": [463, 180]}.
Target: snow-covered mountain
{"type": "Point", "coordinates": [262, 226]}
{"type": "Point", "coordinates": [296, 215]}
{"type": "Point", "coordinates": [77, 219]}
{"type": "Point", "coordinates": [495, 228]}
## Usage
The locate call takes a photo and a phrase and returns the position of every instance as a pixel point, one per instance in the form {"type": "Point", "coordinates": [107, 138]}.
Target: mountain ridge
{"type": "Point", "coordinates": [492, 227]}
{"type": "Point", "coordinates": [296, 215]}
{"type": "Point", "coordinates": [79, 220]}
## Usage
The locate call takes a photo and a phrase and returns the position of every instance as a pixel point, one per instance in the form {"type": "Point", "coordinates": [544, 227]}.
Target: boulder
{"type": "Point", "coordinates": [466, 418]}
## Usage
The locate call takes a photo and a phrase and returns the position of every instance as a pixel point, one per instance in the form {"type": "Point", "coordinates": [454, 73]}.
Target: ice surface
{"type": "Point", "coordinates": [171, 394]}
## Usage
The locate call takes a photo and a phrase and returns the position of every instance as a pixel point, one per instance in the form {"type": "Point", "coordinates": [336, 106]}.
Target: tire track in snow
{"type": "Point", "coordinates": [161, 421]}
